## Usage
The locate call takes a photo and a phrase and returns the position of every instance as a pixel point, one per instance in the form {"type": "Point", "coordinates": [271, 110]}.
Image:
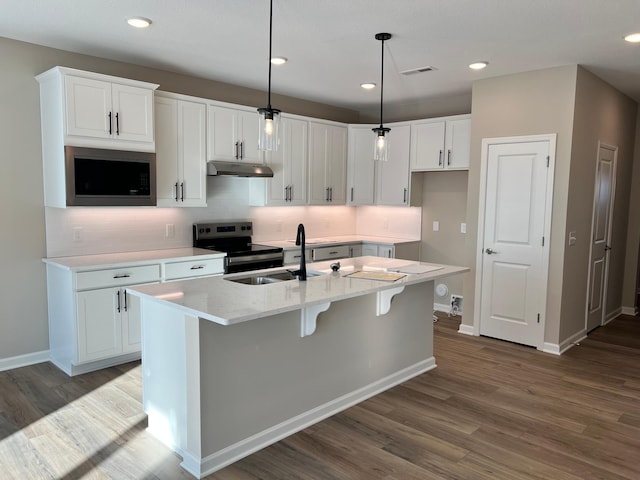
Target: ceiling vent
{"type": "Point", "coordinates": [413, 71]}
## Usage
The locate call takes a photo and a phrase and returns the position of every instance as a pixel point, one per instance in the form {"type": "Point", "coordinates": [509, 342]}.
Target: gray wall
{"type": "Point", "coordinates": [580, 109]}
{"type": "Point", "coordinates": [601, 114]}
{"type": "Point", "coordinates": [444, 199]}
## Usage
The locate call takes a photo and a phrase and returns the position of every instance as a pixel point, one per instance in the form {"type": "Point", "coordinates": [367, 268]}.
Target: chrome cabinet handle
{"type": "Point", "coordinates": [121, 275]}
{"type": "Point", "coordinates": [448, 157]}
{"type": "Point", "coordinates": [489, 251]}
{"type": "Point", "coordinates": [440, 158]}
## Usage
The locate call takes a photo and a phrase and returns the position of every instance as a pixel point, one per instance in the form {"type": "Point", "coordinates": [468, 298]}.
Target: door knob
{"type": "Point", "coordinates": [490, 251]}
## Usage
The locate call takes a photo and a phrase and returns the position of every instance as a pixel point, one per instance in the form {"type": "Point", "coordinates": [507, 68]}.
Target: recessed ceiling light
{"type": "Point", "coordinates": [279, 60]}
{"type": "Point", "coordinates": [139, 22]}
{"type": "Point", "coordinates": [633, 38]}
{"type": "Point", "coordinates": [368, 85]}
{"type": "Point", "coordinates": [478, 65]}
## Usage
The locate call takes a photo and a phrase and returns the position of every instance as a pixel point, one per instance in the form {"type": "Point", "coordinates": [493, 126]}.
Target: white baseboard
{"type": "Point", "coordinates": [442, 307]}
{"type": "Point", "coordinates": [559, 349]}
{"type": "Point", "coordinates": [616, 313]}
{"type": "Point", "coordinates": [633, 311]}
{"type": "Point", "coordinates": [466, 329]}
{"type": "Point", "coordinates": [23, 360]}
{"type": "Point", "coordinates": [222, 458]}
{"type": "Point", "coordinates": [73, 370]}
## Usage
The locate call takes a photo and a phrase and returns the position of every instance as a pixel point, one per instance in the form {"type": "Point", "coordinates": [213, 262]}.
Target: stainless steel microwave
{"type": "Point", "coordinates": [100, 177]}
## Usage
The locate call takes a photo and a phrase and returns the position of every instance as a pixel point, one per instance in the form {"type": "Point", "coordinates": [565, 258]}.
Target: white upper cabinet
{"type": "Point", "coordinates": [181, 167]}
{"type": "Point", "coordinates": [85, 109]}
{"type": "Point", "coordinates": [233, 135]}
{"type": "Point", "coordinates": [392, 186]}
{"type": "Point", "coordinates": [289, 165]}
{"type": "Point", "coordinates": [327, 164]}
{"type": "Point", "coordinates": [440, 144]}
{"type": "Point", "coordinates": [360, 165]}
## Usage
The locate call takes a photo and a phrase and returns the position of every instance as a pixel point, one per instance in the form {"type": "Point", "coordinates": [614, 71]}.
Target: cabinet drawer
{"type": "Point", "coordinates": [328, 253]}
{"type": "Point", "coordinates": [193, 268]}
{"type": "Point", "coordinates": [114, 277]}
{"type": "Point", "coordinates": [293, 256]}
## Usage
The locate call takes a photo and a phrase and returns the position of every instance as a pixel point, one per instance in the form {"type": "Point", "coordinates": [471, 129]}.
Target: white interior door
{"type": "Point", "coordinates": [514, 258]}
{"type": "Point", "coordinates": [600, 236]}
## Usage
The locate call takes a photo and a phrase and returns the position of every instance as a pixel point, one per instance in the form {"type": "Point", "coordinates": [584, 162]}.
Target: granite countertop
{"type": "Point", "coordinates": [337, 240]}
{"type": "Point", "coordinates": [114, 260]}
{"type": "Point", "coordinates": [225, 302]}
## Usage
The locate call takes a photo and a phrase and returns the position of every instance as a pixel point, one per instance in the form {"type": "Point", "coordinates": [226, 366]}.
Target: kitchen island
{"type": "Point", "coordinates": [229, 368]}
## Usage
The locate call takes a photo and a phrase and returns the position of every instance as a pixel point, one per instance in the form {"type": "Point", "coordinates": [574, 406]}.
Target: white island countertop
{"type": "Point", "coordinates": [226, 302]}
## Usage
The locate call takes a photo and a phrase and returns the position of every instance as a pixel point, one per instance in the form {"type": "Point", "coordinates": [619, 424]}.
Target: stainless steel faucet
{"type": "Point", "coordinates": [300, 240]}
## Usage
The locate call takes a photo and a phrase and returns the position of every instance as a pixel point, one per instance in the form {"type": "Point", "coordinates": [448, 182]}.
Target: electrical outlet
{"type": "Point", "coordinates": [170, 230]}
{"type": "Point", "coordinates": [77, 234]}
{"type": "Point", "coordinates": [572, 238]}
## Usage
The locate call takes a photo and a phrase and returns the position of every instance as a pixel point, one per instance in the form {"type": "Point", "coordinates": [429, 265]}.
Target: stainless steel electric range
{"type": "Point", "coordinates": [234, 238]}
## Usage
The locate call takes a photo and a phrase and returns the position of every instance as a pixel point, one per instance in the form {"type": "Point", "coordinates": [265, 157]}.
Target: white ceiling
{"type": "Point", "coordinates": [330, 43]}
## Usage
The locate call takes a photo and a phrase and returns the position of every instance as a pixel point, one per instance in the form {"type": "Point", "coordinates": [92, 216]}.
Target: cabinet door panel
{"type": "Point", "coordinates": [133, 111]}
{"type": "Point", "coordinates": [338, 165]}
{"type": "Point", "coordinates": [131, 324]}
{"type": "Point", "coordinates": [166, 116]}
{"type": "Point", "coordinates": [427, 146]}
{"type": "Point", "coordinates": [88, 104]}
{"type": "Point", "coordinates": [318, 153]}
{"type": "Point", "coordinates": [192, 154]}
{"type": "Point", "coordinates": [361, 166]}
{"type": "Point", "coordinates": [458, 143]}
{"type": "Point", "coordinates": [249, 137]}
{"type": "Point", "coordinates": [99, 324]}
{"type": "Point", "coordinates": [222, 134]}
{"type": "Point", "coordinates": [296, 162]}
{"type": "Point", "coordinates": [393, 175]}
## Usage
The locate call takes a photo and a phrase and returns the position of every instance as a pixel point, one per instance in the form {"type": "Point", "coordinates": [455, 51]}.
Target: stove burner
{"type": "Point", "coordinates": [234, 239]}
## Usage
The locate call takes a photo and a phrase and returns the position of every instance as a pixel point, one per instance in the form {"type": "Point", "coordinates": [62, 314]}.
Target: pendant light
{"type": "Point", "coordinates": [268, 118]}
{"type": "Point", "coordinates": [381, 148]}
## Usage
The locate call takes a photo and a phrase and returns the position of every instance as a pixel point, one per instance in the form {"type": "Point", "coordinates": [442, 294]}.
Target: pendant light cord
{"type": "Point", "coordinates": [270, 41]}
{"type": "Point", "coordinates": [381, 81]}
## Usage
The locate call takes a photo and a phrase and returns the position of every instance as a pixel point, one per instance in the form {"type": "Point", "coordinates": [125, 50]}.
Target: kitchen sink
{"type": "Point", "coordinates": [271, 277]}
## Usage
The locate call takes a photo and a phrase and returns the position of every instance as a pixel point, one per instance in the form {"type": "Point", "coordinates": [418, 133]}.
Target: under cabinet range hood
{"type": "Point", "coordinates": [215, 168]}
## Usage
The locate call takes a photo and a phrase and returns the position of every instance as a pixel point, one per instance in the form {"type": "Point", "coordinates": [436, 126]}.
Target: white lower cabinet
{"type": "Point", "coordinates": [94, 322]}
{"type": "Point", "coordinates": [108, 323]}
{"type": "Point", "coordinates": [378, 250]}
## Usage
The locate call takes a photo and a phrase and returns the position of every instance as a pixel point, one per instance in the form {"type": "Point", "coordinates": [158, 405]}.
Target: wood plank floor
{"type": "Point", "coordinates": [490, 411]}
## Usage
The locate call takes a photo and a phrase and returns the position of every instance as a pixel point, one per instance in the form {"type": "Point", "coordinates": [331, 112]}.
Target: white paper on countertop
{"type": "Point", "coordinates": [414, 268]}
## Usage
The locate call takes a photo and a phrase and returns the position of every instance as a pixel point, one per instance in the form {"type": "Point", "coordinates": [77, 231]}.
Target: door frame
{"type": "Point", "coordinates": [605, 284]}
{"type": "Point", "coordinates": [486, 144]}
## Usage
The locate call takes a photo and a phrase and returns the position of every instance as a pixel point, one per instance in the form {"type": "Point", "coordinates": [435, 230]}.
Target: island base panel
{"type": "Point", "coordinates": [217, 393]}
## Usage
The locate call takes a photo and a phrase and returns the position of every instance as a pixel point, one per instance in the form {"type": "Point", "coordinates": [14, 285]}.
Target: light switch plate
{"type": "Point", "coordinates": [572, 238]}
{"type": "Point", "coordinates": [436, 225]}
{"type": "Point", "coordinates": [463, 228]}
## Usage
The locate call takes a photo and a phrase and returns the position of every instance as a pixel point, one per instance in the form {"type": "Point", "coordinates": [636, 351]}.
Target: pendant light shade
{"type": "Point", "coordinates": [269, 118]}
{"type": "Point", "coordinates": [381, 146]}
